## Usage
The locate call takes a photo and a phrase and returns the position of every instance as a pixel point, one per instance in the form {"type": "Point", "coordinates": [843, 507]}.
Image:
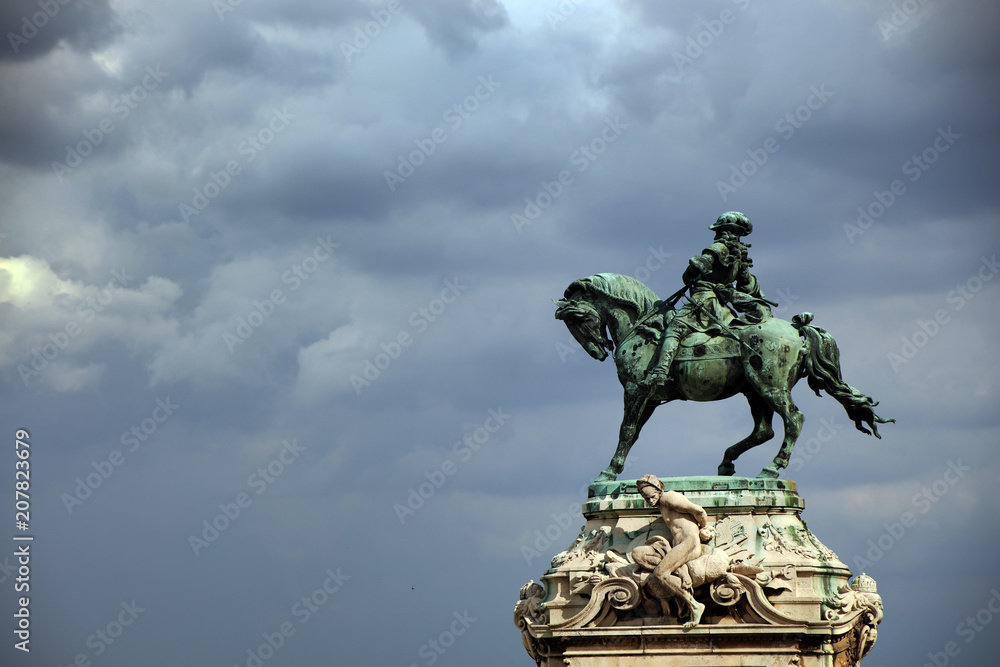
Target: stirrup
{"type": "Point", "coordinates": [654, 377]}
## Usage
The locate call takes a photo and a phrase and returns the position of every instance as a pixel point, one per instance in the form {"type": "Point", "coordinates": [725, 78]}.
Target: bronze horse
{"type": "Point", "coordinates": [610, 312]}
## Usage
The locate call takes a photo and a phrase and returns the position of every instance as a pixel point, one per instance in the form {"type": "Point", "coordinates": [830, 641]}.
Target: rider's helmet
{"type": "Point", "coordinates": [734, 222]}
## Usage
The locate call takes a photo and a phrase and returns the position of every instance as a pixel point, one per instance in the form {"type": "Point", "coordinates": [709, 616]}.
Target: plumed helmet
{"type": "Point", "coordinates": [734, 222]}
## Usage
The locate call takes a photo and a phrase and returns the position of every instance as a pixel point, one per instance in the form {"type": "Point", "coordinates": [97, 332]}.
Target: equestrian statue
{"type": "Point", "coordinates": [722, 341]}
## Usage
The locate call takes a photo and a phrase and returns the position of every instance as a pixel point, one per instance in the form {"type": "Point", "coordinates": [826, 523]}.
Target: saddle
{"type": "Point", "coordinates": [700, 346]}
{"type": "Point", "coordinates": [695, 346]}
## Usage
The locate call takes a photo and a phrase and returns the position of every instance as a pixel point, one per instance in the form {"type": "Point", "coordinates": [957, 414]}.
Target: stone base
{"type": "Point", "coordinates": [773, 594]}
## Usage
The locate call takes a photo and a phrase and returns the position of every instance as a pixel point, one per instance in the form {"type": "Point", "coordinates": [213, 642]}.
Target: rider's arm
{"type": "Point", "coordinates": [697, 267]}
{"type": "Point", "coordinates": [747, 283]}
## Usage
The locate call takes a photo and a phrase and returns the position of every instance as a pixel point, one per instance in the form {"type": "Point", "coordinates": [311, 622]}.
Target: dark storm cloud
{"type": "Point", "coordinates": [33, 28]}
{"type": "Point", "coordinates": [45, 114]}
{"type": "Point", "coordinates": [42, 110]}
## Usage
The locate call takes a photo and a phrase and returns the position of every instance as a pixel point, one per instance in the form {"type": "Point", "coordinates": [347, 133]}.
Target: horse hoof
{"type": "Point", "coordinates": [606, 476]}
{"type": "Point", "coordinates": [727, 470]}
{"type": "Point", "coordinates": [770, 472]}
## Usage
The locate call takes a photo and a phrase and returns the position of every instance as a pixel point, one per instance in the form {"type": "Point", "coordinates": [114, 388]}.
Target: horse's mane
{"type": "Point", "coordinates": [625, 290]}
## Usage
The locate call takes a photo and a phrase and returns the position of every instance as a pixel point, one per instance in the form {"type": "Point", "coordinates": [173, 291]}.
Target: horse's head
{"type": "Point", "coordinates": [585, 323]}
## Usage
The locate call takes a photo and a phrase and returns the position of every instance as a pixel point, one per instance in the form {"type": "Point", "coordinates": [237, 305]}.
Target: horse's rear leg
{"type": "Point", "coordinates": [792, 418]}
{"type": "Point", "coordinates": [762, 432]}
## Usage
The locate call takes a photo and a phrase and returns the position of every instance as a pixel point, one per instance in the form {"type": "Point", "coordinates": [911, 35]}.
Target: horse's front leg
{"type": "Point", "coordinates": [635, 415]}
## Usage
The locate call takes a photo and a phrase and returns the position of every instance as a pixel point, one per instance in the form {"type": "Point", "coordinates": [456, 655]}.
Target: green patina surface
{"type": "Point", "coordinates": [710, 492]}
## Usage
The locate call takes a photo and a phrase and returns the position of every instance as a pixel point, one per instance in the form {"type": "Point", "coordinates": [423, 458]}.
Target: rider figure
{"type": "Point", "coordinates": [719, 276]}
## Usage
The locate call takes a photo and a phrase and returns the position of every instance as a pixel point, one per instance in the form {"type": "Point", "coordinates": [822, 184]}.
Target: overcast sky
{"type": "Point", "coordinates": [296, 260]}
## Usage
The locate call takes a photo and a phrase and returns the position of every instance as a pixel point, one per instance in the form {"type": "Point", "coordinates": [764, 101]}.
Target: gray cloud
{"type": "Point", "coordinates": [33, 29]}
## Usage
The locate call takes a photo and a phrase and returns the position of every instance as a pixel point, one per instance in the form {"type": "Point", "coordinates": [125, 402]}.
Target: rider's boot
{"type": "Point", "coordinates": [665, 356]}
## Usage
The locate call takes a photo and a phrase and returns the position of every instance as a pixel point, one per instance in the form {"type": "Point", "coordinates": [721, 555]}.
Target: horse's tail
{"type": "Point", "coordinates": [822, 367]}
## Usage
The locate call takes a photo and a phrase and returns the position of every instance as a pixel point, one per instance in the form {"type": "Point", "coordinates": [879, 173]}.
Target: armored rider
{"type": "Point", "coordinates": [720, 275]}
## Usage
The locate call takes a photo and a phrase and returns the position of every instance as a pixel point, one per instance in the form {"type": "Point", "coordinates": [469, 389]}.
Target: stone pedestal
{"type": "Point", "coordinates": [774, 595]}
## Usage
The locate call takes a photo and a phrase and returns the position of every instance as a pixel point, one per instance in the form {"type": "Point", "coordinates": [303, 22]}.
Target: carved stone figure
{"type": "Point", "coordinates": [757, 355]}
{"type": "Point", "coordinates": [688, 524]}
